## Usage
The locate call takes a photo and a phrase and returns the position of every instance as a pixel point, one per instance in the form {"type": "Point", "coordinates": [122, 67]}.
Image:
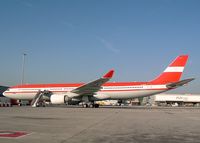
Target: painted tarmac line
{"type": "Point", "coordinates": [12, 134]}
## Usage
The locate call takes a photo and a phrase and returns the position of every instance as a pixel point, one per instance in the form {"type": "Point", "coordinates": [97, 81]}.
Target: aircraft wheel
{"type": "Point", "coordinates": [91, 105]}
{"type": "Point", "coordinates": [96, 105]}
{"type": "Point", "coordinates": [85, 105]}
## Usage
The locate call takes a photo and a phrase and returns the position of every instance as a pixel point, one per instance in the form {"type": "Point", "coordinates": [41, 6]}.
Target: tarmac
{"type": "Point", "coordinates": [101, 125]}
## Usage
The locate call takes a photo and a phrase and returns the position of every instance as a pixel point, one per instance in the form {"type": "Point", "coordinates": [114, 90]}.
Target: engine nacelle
{"type": "Point", "coordinates": [59, 99]}
{"type": "Point", "coordinates": [100, 96]}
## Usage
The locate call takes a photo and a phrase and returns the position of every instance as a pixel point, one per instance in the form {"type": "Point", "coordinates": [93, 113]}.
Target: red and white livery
{"type": "Point", "coordinates": [101, 89]}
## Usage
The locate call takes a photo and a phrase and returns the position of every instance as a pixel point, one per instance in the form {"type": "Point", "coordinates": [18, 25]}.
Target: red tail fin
{"type": "Point", "coordinates": [173, 72]}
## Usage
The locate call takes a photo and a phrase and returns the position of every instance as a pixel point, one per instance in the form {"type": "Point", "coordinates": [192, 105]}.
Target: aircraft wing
{"type": "Point", "coordinates": [179, 83]}
{"type": "Point", "coordinates": [94, 86]}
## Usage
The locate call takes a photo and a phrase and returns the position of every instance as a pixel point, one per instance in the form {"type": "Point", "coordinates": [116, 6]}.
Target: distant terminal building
{"type": "Point", "coordinates": [158, 100]}
{"type": "Point", "coordinates": [175, 100]}
{"type": "Point", "coordinates": [178, 99]}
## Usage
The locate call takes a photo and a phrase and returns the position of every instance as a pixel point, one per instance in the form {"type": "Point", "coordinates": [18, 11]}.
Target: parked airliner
{"type": "Point", "coordinates": [101, 89]}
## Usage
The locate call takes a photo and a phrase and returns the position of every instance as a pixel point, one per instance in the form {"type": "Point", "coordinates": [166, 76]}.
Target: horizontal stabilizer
{"type": "Point", "coordinates": [179, 83]}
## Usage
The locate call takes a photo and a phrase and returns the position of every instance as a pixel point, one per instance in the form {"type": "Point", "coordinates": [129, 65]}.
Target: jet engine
{"type": "Point", "coordinates": [59, 99]}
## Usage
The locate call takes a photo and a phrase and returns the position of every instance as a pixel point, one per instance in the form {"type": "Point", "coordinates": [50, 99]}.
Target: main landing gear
{"type": "Point", "coordinates": [93, 105]}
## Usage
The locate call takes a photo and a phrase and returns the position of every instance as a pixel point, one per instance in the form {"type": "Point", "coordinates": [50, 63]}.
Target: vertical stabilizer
{"type": "Point", "coordinates": [173, 72]}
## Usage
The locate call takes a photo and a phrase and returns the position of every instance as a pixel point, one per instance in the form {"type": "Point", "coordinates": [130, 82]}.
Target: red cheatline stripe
{"type": "Point", "coordinates": [77, 85]}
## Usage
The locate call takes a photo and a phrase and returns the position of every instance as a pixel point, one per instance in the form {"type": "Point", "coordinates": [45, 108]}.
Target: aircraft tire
{"type": "Point", "coordinates": [96, 105]}
{"type": "Point", "coordinates": [85, 106]}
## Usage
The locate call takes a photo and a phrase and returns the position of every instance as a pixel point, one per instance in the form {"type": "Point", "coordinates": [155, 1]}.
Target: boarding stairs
{"type": "Point", "coordinates": [38, 97]}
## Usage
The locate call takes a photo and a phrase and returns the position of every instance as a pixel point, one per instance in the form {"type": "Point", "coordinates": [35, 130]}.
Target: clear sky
{"type": "Point", "coordinates": [80, 40]}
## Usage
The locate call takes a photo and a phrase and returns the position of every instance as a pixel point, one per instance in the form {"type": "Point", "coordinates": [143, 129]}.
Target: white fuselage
{"type": "Point", "coordinates": [107, 92]}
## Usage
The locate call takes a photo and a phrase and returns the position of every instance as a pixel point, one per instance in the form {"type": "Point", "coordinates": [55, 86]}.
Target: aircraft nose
{"type": "Point", "coordinates": [5, 94]}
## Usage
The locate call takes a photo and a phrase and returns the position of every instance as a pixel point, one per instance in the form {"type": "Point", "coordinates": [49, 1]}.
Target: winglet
{"type": "Point", "coordinates": [109, 74]}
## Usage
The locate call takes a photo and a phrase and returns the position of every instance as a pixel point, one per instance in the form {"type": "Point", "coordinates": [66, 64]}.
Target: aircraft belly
{"type": "Point", "coordinates": [132, 94]}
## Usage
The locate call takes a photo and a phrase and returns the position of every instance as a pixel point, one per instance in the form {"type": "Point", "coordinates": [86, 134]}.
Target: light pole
{"type": "Point", "coordinates": [23, 63]}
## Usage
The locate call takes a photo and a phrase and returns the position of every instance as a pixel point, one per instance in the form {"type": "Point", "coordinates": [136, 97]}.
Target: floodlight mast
{"type": "Point", "coordinates": [23, 65]}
